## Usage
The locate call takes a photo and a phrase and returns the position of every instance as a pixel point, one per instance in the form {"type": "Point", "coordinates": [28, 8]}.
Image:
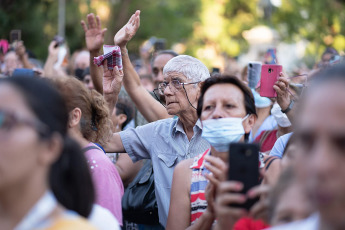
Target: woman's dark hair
{"type": "Point", "coordinates": [248, 95]}
{"type": "Point", "coordinates": [124, 106]}
{"type": "Point", "coordinates": [69, 176]}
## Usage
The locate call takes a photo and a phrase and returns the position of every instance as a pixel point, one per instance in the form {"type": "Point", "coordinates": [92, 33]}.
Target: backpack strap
{"type": "Point", "coordinates": [89, 148]}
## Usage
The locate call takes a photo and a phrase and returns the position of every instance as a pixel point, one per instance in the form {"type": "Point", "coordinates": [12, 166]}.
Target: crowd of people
{"type": "Point", "coordinates": [144, 144]}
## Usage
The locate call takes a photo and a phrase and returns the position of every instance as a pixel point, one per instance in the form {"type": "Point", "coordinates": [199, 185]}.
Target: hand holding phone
{"type": "Point", "coordinates": [269, 76]}
{"type": "Point", "coordinates": [59, 40]}
{"type": "Point", "coordinates": [15, 36]}
{"type": "Point", "coordinates": [244, 168]}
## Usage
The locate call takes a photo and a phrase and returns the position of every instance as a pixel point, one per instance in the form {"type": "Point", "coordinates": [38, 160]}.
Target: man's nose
{"type": "Point", "coordinates": [322, 159]}
{"type": "Point", "coordinates": [217, 112]}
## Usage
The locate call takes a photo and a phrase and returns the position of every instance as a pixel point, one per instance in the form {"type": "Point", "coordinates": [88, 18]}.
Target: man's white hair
{"type": "Point", "coordinates": [189, 66]}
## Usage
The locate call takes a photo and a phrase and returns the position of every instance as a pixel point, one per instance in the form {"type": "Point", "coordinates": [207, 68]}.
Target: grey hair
{"type": "Point", "coordinates": [189, 66]}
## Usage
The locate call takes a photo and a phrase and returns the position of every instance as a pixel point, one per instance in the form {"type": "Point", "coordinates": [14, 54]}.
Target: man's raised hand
{"type": "Point", "coordinates": [127, 32]}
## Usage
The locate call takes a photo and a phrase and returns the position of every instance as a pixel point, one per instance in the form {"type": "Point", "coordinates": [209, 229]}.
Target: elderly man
{"type": "Point", "coordinates": [166, 141]}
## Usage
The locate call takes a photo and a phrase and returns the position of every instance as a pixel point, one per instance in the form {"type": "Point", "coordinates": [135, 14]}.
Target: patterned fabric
{"type": "Point", "coordinates": [113, 58]}
{"type": "Point", "coordinates": [197, 188]}
{"type": "Point", "coordinates": [107, 181]}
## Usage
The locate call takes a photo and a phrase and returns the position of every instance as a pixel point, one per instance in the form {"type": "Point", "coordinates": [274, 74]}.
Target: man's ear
{"type": "Point", "coordinates": [121, 119]}
{"type": "Point", "coordinates": [249, 123]}
{"type": "Point", "coordinates": [74, 117]}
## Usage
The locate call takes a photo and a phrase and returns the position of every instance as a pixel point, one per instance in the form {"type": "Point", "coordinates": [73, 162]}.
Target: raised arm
{"type": "Point", "coordinates": [94, 38]}
{"type": "Point", "coordinates": [112, 81]}
{"type": "Point", "coordinates": [284, 97]}
{"type": "Point", "coordinates": [151, 109]}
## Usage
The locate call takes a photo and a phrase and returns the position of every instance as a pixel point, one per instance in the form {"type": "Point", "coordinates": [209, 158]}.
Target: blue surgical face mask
{"type": "Point", "coordinates": [221, 132]}
{"type": "Point", "coordinates": [261, 102]}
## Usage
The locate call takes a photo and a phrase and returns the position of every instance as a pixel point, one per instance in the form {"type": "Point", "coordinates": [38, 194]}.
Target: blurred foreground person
{"type": "Point", "coordinates": [287, 200]}
{"type": "Point", "coordinates": [35, 149]}
{"type": "Point", "coordinates": [320, 134]}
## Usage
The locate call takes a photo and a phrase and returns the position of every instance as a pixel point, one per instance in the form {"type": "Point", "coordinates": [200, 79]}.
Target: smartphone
{"type": "Point", "coordinates": [59, 40]}
{"type": "Point", "coordinates": [244, 167]}
{"type": "Point", "coordinates": [159, 45]}
{"type": "Point", "coordinates": [215, 70]}
{"type": "Point", "coordinates": [254, 73]}
{"type": "Point", "coordinates": [15, 35]}
{"type": "Point", "coordinates": [269, 76]}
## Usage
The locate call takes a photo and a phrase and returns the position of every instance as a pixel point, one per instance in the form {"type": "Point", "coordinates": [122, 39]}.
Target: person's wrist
{"type": "Point", "coordinates": [289, 107]}
{"type": "Point", "coordinates": [124, 51]}
{"type": "Point", "coordinates": [94, 52]}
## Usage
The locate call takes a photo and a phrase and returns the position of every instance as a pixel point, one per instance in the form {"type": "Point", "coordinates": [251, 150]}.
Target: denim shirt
{"type": "Point", "coordinates": [166, 143]}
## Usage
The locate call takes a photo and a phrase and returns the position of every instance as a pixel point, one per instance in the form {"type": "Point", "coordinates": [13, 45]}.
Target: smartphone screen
{"type": "Point", "coordinates": [244, 167]}
{"type": "Point", "coordinates": [15, 35]}
{"type": "Point", "coordinates": [269, 76]}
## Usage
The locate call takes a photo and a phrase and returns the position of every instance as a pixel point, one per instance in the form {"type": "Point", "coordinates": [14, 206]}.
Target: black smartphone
{"type": "Point", "coordinates": [215, 70]}
{"type": "Point", "coordinates": [15, 35]}
{"type": "Point", "coordinates": [244, 167]}
{"type": "Point", "coordinates": [159, 45]}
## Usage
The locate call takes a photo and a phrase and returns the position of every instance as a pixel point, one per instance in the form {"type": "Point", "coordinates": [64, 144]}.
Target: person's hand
{"type": "Point", "coordinates": [20, 50]}
{"type": "Point", "coordinates": [283, 94]}
{"type": "Point", "coordinates": [210, 195]}
{"type": "Point", "coordinates": [94, 34]}
{"type": "Point", "coordinates": [53, 51]}
{"type": "Point", "coordinates": [227, 194]}
{"type": "Point", "coordinates": [127, 32]}
{"type": "Point", "coordinates": [112, 80]}
{"type": "Point", "coordinates": [260, 208]}
{"type": "Point", "coordinates": [218, 169]}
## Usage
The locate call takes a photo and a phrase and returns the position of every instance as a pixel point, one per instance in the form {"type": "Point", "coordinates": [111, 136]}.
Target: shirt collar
{"type": "Point", "coordinates": [178, 126]}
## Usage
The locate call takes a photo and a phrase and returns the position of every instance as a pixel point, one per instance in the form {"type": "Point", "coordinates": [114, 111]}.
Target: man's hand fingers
{"type": "Point", "coordinates": [105, 65]}
{"type": "Point", "coordinates": [99, 25]}
{"type": "Point", "coordinates": [229, 186]}
{"type": "Point", "coordinates": [103, 31]}
{"type": "Point", "coordinates": [91, 21]}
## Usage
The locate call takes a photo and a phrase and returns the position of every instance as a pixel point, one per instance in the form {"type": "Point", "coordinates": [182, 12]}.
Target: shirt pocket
{"type": "Point", "coordinates": [168, 160]}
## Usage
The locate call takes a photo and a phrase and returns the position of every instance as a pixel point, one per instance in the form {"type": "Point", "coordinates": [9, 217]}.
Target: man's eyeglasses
{"type": "Point", "coordinates": [175, 83]}
{"type": "Point", "coordinates": [9, 120]}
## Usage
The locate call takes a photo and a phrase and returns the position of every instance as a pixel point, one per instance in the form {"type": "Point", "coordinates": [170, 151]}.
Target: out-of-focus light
{"type": "Point", "coordinates": [276, 3]}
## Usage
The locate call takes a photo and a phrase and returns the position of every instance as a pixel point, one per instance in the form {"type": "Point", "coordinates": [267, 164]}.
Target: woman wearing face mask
{"type": "Point", "coordinates": [267, 138]}
{"type": "Point", "coordinates": [227, 113]}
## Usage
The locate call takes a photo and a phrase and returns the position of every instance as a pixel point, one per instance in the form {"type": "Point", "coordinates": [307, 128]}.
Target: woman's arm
{"type": "Point", "coordinates": [179, 211]}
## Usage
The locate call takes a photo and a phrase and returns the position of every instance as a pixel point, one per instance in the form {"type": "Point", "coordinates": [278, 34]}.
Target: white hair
{"type": "Point", "coordinates": [189, 66]}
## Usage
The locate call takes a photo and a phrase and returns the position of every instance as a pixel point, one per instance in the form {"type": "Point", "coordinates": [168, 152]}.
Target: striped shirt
{"type": "Point", "coordinates": [197, 188]}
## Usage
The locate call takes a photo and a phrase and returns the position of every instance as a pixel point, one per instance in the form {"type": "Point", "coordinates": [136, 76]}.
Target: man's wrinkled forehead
{"type": "Point", "coordinates": [174, 75]}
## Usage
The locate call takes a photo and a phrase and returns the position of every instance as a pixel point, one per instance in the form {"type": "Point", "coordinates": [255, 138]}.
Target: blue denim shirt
{"type": "Point", "coordinates": [166, 143]}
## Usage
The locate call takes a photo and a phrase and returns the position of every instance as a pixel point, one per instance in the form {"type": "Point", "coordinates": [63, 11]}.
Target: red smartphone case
{"type": "Point", "coordinates": [269, 76]}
